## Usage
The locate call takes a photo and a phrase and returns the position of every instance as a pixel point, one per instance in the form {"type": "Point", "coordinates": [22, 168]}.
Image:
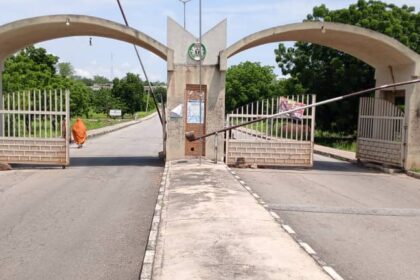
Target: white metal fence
{"type": "Point", "coordinates": [34, 127]}
{"type": "Point", "coordinates": [381, 132]}
{"type": "Point", "coordinates": [282, 141]}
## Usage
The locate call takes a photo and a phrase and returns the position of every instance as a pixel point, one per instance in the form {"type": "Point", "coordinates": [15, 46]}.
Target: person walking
{"type": "Point", "coordinates": [79, 132]}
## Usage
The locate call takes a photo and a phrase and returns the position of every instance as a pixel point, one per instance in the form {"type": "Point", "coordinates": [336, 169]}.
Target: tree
{"type": "Point", "coordinates": [100, 80]}
{"type": "Point", "coordinates": [65, 69]}
{"type": "Point", "coordinates": [130, 91]}
{"type": "Point", "coordinates": [247, 82]}
{"type": "Point", "coordinates": [31, 68]}
{"type": "Point", "coordinates": [329, 73]}
{"type": "Point", "coordinates": [102, 101]}
{"type": "Point", "coordinates": [34, 69]}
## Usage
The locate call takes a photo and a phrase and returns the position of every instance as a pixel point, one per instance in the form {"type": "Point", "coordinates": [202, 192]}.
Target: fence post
{"type": "Point", "coordinates": [313, 128]}
{"type": "Point", "coordinates": [216, 142]}
{"type": "Point", "coordinates": [67, 127]}
{"type": "Point", "coordinates": [1, 97]}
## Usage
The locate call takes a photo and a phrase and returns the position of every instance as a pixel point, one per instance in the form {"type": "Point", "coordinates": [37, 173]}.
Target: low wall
{"type": "Point", "coordinates": [275, 153]}
{"type": "Point", "coordinates": [379, 151]}
{"type": "Point", "coordinates": [33, 151]}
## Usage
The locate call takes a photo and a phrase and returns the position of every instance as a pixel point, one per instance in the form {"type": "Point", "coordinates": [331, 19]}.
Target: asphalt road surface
{"type": "Point", "coordinates": [363, 223]}
{"type": "Point", "coordinates": [90, 221]}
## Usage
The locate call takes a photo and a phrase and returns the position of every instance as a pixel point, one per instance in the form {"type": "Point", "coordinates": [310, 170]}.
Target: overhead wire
{"type": "Point", "coordinates": [151, 90]}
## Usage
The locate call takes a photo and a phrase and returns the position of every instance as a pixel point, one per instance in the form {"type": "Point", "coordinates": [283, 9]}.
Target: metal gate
{"type": "Point", "coordinates": [282, 141]}
{"type": "Point", "coordinates": [34, 127]}
{"type": "Point", "coordinates": [381, 132]}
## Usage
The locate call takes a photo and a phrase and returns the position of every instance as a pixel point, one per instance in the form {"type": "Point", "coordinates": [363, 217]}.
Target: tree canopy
{"type": "Point", "coordinates": [251, 81]}
{"type": "Point", "coordinates": [34, 69]}
{"type": "Point", "coordinates": [130, 90]}
{"type": "Point", "coordinates": [329, 73]}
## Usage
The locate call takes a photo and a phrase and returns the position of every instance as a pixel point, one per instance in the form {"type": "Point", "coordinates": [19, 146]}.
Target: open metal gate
{"type": "Point", "coordinates": [34, 127]}
{"type": "Point", "coordinates": [381, 132]}
{"type": "Point", "coordinates": [282, 141]}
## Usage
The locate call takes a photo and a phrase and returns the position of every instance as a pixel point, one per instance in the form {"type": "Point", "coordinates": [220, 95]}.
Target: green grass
{"type": "Point", "coordinates": [336, 140]}
{"type": "Point", "coordinates": [415, 170]}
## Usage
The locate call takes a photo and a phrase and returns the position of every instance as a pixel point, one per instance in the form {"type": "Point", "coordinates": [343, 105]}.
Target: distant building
{"type": "Point", "coordinates": [97, 87]}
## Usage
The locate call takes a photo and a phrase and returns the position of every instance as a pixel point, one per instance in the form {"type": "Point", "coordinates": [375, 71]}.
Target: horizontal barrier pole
{"type": "Point", "coordinates": [191, 137]}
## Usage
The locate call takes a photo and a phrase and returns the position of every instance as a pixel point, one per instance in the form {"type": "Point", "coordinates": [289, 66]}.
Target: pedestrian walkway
{"type": "Point", "coordinates": [213, 228]}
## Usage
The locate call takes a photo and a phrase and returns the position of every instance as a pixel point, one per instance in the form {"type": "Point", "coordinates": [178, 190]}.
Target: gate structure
{"type": "Point", "coordinates": [281, 141]}
{"type": "Point", "coordinates": [381, 132]}
{"type": "Point", "coordinates": [34, 127]}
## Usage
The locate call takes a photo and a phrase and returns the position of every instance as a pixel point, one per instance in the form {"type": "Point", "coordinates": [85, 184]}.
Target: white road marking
{"type": "Point", "coordinates": [288, 229]}
{"type": "Point", "coordinates": [274, 215]}
{"type": "Point", "coordinates": [307, 248]}
{"type": "Point", "coordinates": [332, 273]}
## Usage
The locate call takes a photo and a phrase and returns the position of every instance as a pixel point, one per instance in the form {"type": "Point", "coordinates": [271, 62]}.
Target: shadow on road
{"type": "Point", "coordinates": [324, 165]}
{"type": "Point", "coordinates": [115, 161]}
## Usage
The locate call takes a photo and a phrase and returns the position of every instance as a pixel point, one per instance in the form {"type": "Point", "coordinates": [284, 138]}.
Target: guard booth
{"type": "Point", "coordinates": [34, 127]}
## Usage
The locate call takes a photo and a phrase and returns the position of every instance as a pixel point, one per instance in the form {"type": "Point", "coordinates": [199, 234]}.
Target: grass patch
{"type": "Point", "coordinates": [336, 140]}
{"type": "Point", "coordinates": [415, 170]}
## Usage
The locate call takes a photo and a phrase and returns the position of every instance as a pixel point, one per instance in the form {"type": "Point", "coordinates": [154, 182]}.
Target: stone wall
{"type": "Point", "coordinates": [379, 151]}
{"type": "Point", "coordinates": [33, 151]}
{"type": "Point", "coordinates": [284, 153]}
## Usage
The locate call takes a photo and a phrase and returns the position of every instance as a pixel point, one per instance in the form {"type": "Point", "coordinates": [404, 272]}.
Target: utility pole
{"type": "Point", "coordinates": [200, 81]}
{"type": "Point", "coordinates": [185, 4]}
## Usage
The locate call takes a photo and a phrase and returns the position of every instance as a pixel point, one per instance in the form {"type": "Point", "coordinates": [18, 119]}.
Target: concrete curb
{"type": "Point", "coordinates": [331, 155]}
{"type": "Point", "coordinates": [305, 246]}
{"type": "Point", "coordinates": [146, 272]}
{"type": "Point", "coordinates": [384, 169]}
{"type": "Point", "coordinates": [413, 174]}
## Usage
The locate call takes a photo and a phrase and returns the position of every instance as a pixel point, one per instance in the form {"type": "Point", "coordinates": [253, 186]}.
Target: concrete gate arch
{"type": "Point", "coordinates": [22, 33]}
{"type": "Point", "coordinates": [393, 62]}
{"type": "Point", "coordinates": [19, 34]}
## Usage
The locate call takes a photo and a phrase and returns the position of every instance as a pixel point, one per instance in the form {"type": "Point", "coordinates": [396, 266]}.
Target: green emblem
{"type": "Point", "coordinates": [195, 53]}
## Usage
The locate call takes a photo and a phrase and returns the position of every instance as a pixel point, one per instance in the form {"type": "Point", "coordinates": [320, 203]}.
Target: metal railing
{"type": "Point", "coordinates": [35, 114]}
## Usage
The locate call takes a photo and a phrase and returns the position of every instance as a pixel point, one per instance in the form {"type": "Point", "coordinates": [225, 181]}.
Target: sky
{"type": "Point", "coordinates": [111, 58]}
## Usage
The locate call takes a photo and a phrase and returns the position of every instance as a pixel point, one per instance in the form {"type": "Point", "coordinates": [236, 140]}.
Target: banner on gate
{"type": "Point", "coordinates": [287, 104]}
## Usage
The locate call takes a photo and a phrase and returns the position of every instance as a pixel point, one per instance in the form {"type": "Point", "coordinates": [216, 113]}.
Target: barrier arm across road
{"type": "Point", "coordinates": [191, 136]}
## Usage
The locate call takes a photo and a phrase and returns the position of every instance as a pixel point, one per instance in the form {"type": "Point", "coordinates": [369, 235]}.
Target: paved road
{"type": "Point", "coordinates": [90, 221]}
{"type": "Point", "coordinates": [363, 223]}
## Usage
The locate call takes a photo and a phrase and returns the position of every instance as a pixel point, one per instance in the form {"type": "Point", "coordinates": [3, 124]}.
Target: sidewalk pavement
{"type": "Point", "coordinates": [335, 153]}
{"type": "Point", "coordinates": [213, 228]}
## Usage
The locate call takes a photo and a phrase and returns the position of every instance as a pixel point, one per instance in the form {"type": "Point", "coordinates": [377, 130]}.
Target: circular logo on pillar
{"type": "Point", "coordinates": [196, 53]}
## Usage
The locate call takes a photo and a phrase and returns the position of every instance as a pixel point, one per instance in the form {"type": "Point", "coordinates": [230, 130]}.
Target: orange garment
{"type": "Point", "coordinates": [79, 132]}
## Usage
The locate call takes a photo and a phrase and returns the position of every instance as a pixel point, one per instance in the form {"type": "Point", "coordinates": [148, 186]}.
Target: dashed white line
{"type": "Point", "coordinates": [334, 275]}
{"type": "Point", "coordinates": [307, 248]}
{"type": "Point", "coordinates": [274, 215]}
{"type": "Point", "coordinates": [288, 229]}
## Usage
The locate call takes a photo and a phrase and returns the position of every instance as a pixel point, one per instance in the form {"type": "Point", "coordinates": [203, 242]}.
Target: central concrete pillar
{"type": "Point", "coordinates": [182, 100]}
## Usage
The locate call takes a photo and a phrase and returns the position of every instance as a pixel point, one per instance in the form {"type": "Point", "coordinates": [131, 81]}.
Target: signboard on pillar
{"type": "Point", "coordinates": [195, 118]}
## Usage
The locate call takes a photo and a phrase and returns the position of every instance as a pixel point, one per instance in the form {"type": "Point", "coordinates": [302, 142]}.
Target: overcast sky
{"type": "Point", "coordinates": [149, 16]}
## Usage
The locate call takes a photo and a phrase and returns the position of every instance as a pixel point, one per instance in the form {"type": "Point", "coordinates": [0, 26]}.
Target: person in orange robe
{"type": "Point", "coordinates": [79, 132]}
